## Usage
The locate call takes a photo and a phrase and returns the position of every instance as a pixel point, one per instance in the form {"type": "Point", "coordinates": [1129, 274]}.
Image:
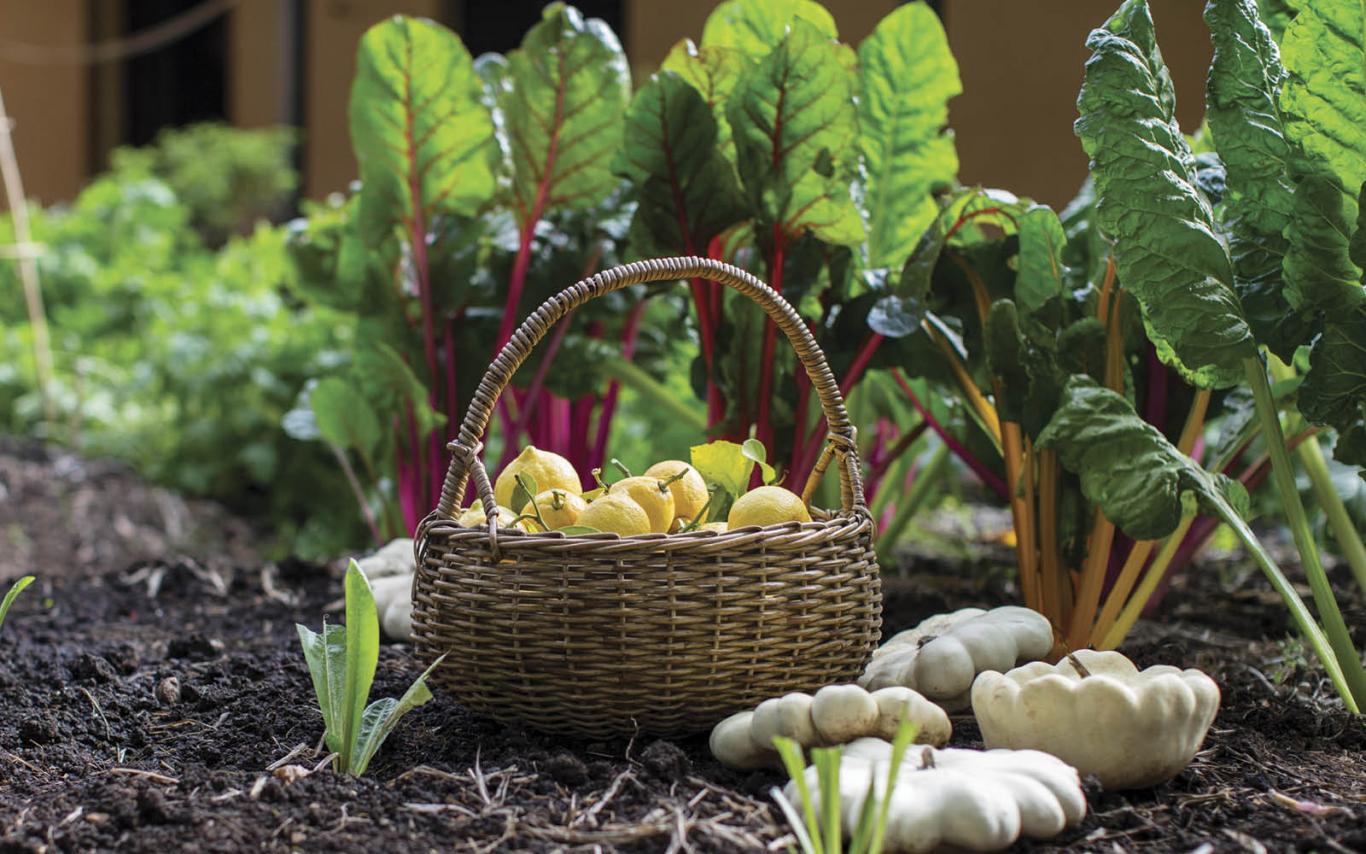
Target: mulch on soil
{"type": "Point", "coordinates": [163, 704]}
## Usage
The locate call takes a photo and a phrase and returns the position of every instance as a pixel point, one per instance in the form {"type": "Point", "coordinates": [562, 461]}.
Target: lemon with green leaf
{"type": "Point", "coordinates": [767, 505]}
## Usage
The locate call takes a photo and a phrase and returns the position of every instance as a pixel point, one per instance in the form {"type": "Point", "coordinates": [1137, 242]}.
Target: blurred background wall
{"type": "Point", "coordinates": [261, 62]}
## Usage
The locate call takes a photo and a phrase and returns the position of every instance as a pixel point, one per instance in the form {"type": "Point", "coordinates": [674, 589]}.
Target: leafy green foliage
{"type": "Point", "coordinates": [1324, 104]}
{"type": "Point", "coordinates": [724, 464]}
{"type": "Point", "coordinates": [178, 359]}
{"type": "Point", "coordinates": [1146, 486]}
{"type": "Point", "coordinates": [228, 179]}
{"type": "Point", "coordinates": [11, 595]}
{"type": "Point", "coordinates": [1166, 246]}
{"type": "Point", "coordinates": [1245, 122]}
{"type": "Point", "coordinates": [1334, 389]}
{"type": "Point", "coordinates": [907, 75]}
{"type": "Point", "coordinates": [713, 71]}
{"type": "Point", "coordinates": [753, 27]}
{"type": "Point", "coordinates": [795, 127]}
{"type": "Point", "coordinates": [1127, 466]}
{"type": "Point", "coordinates": [563, 96]}
{"type": "Point", "coordinates": [686, 189]}
{"type": "Point", "coordinates": [422, 134]}
{"type": "Point", "coordinates": [342, 663]}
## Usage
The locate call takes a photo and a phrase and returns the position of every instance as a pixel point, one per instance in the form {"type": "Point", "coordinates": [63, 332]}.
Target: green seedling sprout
{"type": "Point", "coordinates": [342, 661]}
{"type": "Point", "coordinates": [13, 594]}
{"type": "Point", "coordinates": [822, 834]}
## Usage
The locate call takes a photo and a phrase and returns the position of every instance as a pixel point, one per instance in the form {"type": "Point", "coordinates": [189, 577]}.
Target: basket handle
{"type": "Point", "coordinates": [840, 432]}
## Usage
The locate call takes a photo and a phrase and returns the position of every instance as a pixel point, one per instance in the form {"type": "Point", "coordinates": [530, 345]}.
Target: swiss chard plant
{"type": "Point", "coordinates": [342, 661]}
{"type": "Point", "coordinates": [1092, 348]}
{"type": "Point", "coordinates": [772, 145]}
{"type": "Point", "coordinates": [485, 187]}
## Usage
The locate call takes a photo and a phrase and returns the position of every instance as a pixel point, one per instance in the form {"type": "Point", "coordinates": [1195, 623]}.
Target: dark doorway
{"type": "Point", "coordinates": [178, 84]}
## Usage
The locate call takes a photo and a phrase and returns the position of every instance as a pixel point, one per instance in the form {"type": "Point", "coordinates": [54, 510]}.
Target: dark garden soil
{"type": "Point", "coordinates": [153, 698]}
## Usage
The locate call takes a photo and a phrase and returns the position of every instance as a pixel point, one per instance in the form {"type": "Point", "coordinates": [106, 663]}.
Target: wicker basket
{"type": "Point", "coordinates": [601, 635]}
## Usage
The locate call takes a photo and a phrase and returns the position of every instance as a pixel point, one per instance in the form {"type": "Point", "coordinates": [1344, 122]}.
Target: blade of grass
{"type": "Point", "coordinates": [827, 761]}
{"type": "Point", "coordinates": [793, 761]}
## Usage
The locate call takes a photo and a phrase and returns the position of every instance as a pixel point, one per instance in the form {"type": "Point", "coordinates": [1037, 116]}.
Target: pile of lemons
{"type": "Point", "coordinates": [670, 497]}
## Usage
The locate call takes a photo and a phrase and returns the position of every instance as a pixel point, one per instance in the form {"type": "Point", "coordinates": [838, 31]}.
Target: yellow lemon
{"type": "Point", "coordinates": [615, 513]}
{"type": "Point", "coordinates": [653, 497]}
{"type": "Point", "coordinates": [767, 505]}
{"type": "Point", "coordinates": [473, 517]}
{"type": "Point", "coordinates": [689, 491]}
{"type": "Point", "coordinates": [557, 507]}
{"type": "Point", "coordinates": [550, 471]}
{"type": "Point", "coordinates": [718, 527]}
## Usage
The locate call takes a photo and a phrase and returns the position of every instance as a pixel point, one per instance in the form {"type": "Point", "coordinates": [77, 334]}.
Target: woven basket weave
{"type": "Point", "coordinates": [599, 635]}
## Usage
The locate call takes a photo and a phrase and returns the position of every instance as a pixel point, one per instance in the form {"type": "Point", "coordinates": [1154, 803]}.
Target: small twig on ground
{"type": "Point", "coordinates": [146, 775]}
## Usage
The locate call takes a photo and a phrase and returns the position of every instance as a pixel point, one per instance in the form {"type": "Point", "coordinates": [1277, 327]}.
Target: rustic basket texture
{"type": "Point", "coordinates": [602, 636]}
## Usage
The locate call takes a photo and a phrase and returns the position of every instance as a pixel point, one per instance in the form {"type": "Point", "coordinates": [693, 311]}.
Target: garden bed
{"type": "Point", "coordinates": [99, 751]}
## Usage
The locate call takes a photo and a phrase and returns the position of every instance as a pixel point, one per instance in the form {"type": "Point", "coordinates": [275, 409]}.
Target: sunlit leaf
{"type": "Point", "coordinates": [795, 129]}
{"type": "Point", "coordinates": [754, 27]}
{"type": "Point", "coordinates": [422, 135]}
{"type": "Point", "coordinates": [563, 99]}
{"type": "Point", "coordinates": [907, 75]}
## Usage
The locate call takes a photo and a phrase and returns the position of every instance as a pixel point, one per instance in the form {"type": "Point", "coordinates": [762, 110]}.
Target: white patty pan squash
{"type": "Point", "coordinates": [837, 714]}
{"type": "Point", "coordinates": [1128, 727]}
{"type": "Point", "coordinates": [958, 799]}
{"type": "Point", "coordinates": [943, 655]}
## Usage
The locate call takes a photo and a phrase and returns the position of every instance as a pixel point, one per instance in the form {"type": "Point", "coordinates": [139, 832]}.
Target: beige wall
{"type": "Point", "coordinates": [1021, 64]}
{"type": "Point", "coordinates": [47, 103]}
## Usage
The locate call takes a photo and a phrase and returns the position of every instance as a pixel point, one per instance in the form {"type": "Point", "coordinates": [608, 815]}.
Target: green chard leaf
{"type": "Point", "coordinates": [386, 380]}
{"type": "Point", "coordinates": [1127, 467]}
{"type": "Point", "coordinates": [345, 418]}
{"type": "Point", "coordinates": [1039, 288]}
{"type": "Point", "coordinates": [1167, 252]}
{"type": "Point", "coordinates": [686, 189]}
{"type": "Point", "coordinates": [1324, 104]}
{"type": "Point", "coordinates": [422, 135]}
{"type": "Point", "coordinates": [796, 127]}
{"type": "Point", "coordinates": [755, 27]}
{"type": "Point", "coordinates": [1030, 381]}
{"type": "Point", "coordinates": [563, 100]}
{"type": "Point", "coordinates": [713, 71]}
{"type": "Point", "coordinates": [1334, 389]}
{"type": "Point", "coordinates": [1277, 15]}
{"type": "Point", "coordinates": [1245, 123]}
{"type": "Point", "coordinates": [907, 75]}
